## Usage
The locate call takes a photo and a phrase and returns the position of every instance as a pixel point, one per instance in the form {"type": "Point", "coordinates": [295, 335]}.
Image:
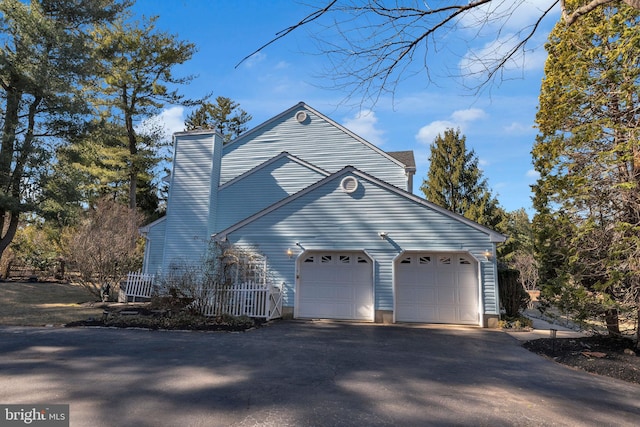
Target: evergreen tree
{"type": "Point", "coordinates": [95, 164]}
{"type": "Point", "coordinates": [225, 115]}
{"type": "Point", "coordinates": [46, 58]}
{"type": "Point", "coordinates": [588, 156]}
{"type": "Point", "coordinates": [137, 63]}
{"type": "Point", "coordinates": [454, 181]}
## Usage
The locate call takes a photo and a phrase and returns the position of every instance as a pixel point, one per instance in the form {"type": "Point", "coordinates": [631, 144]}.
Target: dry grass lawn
{"type": "Point", "coordinates": [40, 304]}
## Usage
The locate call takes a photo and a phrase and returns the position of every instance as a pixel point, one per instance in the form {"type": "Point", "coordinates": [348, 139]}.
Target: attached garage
{"type": "Point", "coordinates": [335, 285]}
{"type": "Point", "coordinates": [437, 288]}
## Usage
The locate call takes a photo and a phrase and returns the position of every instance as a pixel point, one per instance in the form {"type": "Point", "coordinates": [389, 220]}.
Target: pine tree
{"type": "Point", "coordinates": [137, 81]}
{"type": "Point", "coordinates": [225, 115]}
{"type": "Point", "coordinates": [454, 181]}
{"type": "Point", "coordinates": [588, 156]}
{"type": "Point", "coordinates": [47, 58]}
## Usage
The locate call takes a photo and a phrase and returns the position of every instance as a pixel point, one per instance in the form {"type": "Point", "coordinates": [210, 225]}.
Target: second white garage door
{"type": "Point", "coordinates": [335, 285]}
{"type": "Point", "coordinates": [436, 288]}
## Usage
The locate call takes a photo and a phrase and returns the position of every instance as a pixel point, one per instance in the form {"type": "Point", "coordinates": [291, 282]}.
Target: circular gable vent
{"type": "Point", "coordinates": [301, 116]}
{"type": "Point", "coordinates": [349, 184]}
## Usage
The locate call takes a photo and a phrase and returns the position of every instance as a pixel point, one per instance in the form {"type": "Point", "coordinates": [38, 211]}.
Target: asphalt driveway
{"type": "Point", "coordinates": [303, 374]}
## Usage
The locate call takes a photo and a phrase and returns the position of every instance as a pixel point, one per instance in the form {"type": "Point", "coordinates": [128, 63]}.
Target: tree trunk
{"type": "Point", "coordinates": [11, 119]}
{"type": "Point", "coordinates": [133, 167]}
{"type": "Point", "coordinates": [8, 236]}
{"type": "Point", "coordinates": [133, 188]}
{"type": "Point", "coordinates": [638, 325]}
{"type": "Point", "coordinates": [612, 321]}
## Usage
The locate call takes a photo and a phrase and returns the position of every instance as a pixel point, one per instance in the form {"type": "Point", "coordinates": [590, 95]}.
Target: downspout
{"type": "Point", "coordinates": [147, 245]}
{"type": "Point", "coordinates": [409, 172]}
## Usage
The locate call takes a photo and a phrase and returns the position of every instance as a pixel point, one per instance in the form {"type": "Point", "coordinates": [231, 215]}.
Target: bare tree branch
{"type": "Point", "coordinates": [309, 18]}
{"type": "Point", "coordinates": [510, 54]}
{"type": "Point", "coordinates": [570, 18]}
{"type": "Point", "coordinates": [371, 46]}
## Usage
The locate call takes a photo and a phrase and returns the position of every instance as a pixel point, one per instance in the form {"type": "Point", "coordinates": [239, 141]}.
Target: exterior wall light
{"type": "Point", "coordinates": [289, 253]}
{"type": "Point", "coordinates": [488, 255]}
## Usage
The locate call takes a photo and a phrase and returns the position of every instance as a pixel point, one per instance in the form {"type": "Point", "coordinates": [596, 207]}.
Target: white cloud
{"type": "Point", "coordinates": [255, 59]}
{"type": "Point", "coordinates": [478, 62]}
{"type": "Point", "coordinates": [516, 127]}
{"type": "Point", "coordinates": [494, 29]}
{"type": "Point", "coordinates": [173, 119]}
{"type": "Point", "coordinates": [428, 133]}
{"type": "Point", "coordinates": [170, 120]}
{"type": "Point", "coordinates": [468, 115]}
{"type": "Point", "coordinates": [506, 15]}
{"type": "Point", "coordinates": [364, 124]}
{"type": "Point", "coordinates": [532, 173]}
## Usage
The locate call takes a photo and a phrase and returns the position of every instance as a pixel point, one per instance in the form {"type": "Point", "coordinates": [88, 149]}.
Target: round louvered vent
{"type": "Point", "coordinates": [349, 184]}
{"type": "Point", "coordinates": [301, 116]}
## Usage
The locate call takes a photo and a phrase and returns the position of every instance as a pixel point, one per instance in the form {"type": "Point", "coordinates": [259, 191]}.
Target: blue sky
{"type": "Point", "coordinates": [498, 122]}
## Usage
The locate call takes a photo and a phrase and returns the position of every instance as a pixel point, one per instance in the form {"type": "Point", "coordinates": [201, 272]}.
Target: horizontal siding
{"type": "Point", "coordinates": [327, 218]}
{"type": "Point", "coordinates": [190, 195]}
{"type": "Point", "coordinates": [261, 189]}
{"type": "Point", "coordinates": [317, 142]}
{"type": "Point", "coordinates": [154, 248]}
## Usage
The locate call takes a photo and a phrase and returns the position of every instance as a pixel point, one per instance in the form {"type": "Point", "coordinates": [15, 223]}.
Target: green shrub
{"type": "Point", "coordinates": [519, 322]}
{"type": "Point", "coordinates": [513, 297]}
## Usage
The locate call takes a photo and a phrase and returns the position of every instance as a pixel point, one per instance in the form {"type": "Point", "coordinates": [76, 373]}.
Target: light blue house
{"type": "Point", "coordinates": [336, 219]}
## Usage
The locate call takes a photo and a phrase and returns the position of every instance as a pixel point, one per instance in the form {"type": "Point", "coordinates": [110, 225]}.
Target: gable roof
{"type": "Point", "coordinates": [493, 235]}
{"type": "Point", "coordinates": [298, 106]}
{"type": "Point", "coordinates": [146, 228]}
{"type": "Point", "coordinates": [406, 157]}
{"type": "Point", "coordinates": [271, 161]}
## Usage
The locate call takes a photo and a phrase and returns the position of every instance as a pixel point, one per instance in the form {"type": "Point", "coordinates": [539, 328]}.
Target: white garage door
{"type": "Point", "coordinates": [436, 288]}
{"type": "Point", "coordinates": [335, 285]}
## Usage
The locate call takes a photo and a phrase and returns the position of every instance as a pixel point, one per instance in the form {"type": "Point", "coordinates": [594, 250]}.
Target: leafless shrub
{"type": "Point", "coordinates": [106, 246]}
{"type": "Point", "coordinates": [224, 266]}
{"type": "Point", "coordinates": [527, 265]}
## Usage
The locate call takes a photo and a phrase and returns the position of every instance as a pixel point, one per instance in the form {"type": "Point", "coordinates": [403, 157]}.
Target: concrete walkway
{"type": "Point", "coordinates": [542, 329]}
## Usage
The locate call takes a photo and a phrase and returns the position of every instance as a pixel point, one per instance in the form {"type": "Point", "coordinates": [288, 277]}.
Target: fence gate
{"type": "Point", "coordinates": [138, 285]}
{"type": "Point", "coordinates": [246, 299]}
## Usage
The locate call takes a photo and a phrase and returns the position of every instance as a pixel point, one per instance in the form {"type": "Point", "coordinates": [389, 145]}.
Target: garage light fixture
{"type": "Point", "coordinates": [289, 253]}
{"type": "Point", "coordinates": [488, 254]}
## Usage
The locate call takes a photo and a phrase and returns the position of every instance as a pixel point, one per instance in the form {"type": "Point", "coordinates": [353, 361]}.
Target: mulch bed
{"type": "Point", "coordinates": [602, 355]}
{"type": "Point", "coordinates": [141, 317]}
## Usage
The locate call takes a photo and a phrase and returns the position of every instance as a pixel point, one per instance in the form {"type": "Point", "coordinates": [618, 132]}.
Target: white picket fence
{"type": "Point", "coordinates": [246, 299]}
{"type": "Point", "coordinates": [138, 285]}
{"type": "Point", "coordinates": [259, 300]}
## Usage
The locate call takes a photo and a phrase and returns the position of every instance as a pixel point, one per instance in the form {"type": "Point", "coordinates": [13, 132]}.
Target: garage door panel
{"type": "Point", "coordinates": [411, 294]}
{"type": "Point", "coordinates": [446, 277]}
{"type": "Point", "coordinates": [447, 312]}
{"type": "Point", "coordinates": [468, 315]}
{"type": "Point", "coordinates": [344, 294]}
{"type": "Point", "coordinates": [361, 277]}
{"type": "Point", "coordinates": [424, 314]}
{"type": "Point", "coordinates": [436, 288]}
{"type": "Point", "coordinates": [335, 286]}
{"type": "Point", "coordinates": [446, 296]}
{"type": "Point", "coordinates": [467, 279]}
